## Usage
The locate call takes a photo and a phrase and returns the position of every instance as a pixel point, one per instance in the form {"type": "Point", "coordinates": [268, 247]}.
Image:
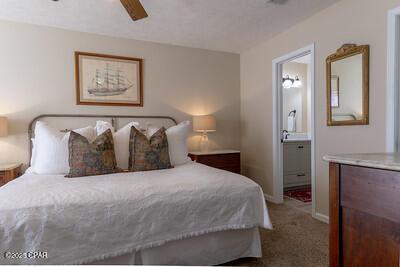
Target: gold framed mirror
{"type": "Point", "coordinates": [347, 80]}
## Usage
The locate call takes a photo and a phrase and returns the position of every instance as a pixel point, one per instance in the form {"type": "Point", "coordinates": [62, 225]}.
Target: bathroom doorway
{"type": "Point", "coordinates": [294, 132]}
{"type": "Point", "coordinates": [393, 82]}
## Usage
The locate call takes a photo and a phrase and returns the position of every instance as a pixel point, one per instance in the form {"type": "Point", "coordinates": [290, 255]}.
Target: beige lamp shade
{"type": "Point", "coordinates": [3, 127]}
{"type": "Point", "coordinates": [205, 123]}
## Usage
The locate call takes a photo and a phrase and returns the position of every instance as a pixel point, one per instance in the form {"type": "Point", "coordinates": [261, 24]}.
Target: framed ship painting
{"type": "Point", "coordinates": [108, 80]}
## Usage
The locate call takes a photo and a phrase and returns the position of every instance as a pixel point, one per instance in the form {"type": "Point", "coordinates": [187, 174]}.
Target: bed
{"type": "Point", "coordinates": [189, 215]}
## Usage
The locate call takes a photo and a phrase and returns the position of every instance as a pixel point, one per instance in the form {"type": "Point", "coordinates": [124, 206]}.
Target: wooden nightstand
{"type": "Point", "coordinates": [228, 160]}
{"type": "Point", "coordinates": [9, 172]}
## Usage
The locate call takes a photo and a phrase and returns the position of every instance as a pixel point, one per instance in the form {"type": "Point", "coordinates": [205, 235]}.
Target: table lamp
{"type": "Point", "coordinates": [204, 124]}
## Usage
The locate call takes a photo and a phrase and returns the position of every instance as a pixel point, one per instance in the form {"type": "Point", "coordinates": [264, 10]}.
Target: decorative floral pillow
{"type": "Point", "coordinates": [148, 154]}
{"type": "Point", "coordinates": [95, 158]}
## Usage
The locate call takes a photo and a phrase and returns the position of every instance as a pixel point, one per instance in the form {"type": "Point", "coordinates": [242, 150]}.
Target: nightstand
{"type": "Point", "coordinates": [228, 160]}
{"type": "Point", "coordinates": [9, 172]}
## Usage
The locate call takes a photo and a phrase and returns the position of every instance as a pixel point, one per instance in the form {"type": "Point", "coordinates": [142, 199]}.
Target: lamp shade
{"type": "Point", "coordinates": [3, 127]}
{"type": "Point", "coordinates": [205, 123]}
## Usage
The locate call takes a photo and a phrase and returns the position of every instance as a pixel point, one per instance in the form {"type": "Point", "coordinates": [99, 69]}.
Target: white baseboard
{"type": "Point", "coordinates": [321, 217]}
{"type": "Point", "coordinates": [270, 198]}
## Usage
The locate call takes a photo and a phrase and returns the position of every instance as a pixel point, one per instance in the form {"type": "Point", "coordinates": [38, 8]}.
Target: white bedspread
{"type": "Point", "coordinates": [79, 220]}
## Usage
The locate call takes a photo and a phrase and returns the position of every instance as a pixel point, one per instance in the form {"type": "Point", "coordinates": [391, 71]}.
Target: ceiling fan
{"type": "Point", "coordinates": [133, 7]}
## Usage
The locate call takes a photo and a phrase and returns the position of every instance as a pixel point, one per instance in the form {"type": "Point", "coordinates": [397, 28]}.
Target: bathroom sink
{"type": "Point", "coordinates": [291, 137]}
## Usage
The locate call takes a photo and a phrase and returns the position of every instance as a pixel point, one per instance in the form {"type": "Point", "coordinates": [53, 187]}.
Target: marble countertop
{"type": "Point", "coordinates": [296, 140]}
{"type": "Point", "coordinates": [388, 161]}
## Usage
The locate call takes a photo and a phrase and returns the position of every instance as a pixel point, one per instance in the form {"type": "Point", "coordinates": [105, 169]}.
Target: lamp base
{"type": "Point", "coordinates": [204, 143]}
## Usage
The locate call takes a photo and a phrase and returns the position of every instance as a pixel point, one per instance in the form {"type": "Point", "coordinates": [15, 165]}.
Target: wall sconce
{"type": "Point", "coordinates": [297, 83]}
{"type": "Point", "coordinates": [3, 127]}
{"type": "Point", "coordinates": [288, 82]}
{"type": "Point", "coordinates": [204, 124]}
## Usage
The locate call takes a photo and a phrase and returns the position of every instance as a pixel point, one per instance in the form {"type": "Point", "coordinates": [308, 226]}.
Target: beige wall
{"type": "Point", "coordinates": [348, 21]}
{"type": "Point", "coordinates": [37, 76]}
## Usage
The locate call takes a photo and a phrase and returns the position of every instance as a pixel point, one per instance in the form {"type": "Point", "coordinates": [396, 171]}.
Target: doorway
{"type": "Point", "coordinates": [393, 82]}
{"type": "Point", "coordinates": [294, 124]}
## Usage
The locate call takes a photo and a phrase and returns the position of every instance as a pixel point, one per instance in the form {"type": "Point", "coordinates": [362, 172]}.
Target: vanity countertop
{"type": "Point", "coordinates": [388, 161]}
{"type": "Point", "coordinates": [296, 140]}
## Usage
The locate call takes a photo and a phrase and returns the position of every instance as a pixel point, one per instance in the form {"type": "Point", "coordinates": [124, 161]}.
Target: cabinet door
{"type": "Point", "coordinates": [292, 163]}
{"type": "Point", "coordinates": [305, 152]}
{"type": "Point", "coordinates": [296, 180]}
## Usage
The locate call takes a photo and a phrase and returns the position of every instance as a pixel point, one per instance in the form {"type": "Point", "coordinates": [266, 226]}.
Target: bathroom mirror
{"type": "Point", "coordinates": [347, 78]}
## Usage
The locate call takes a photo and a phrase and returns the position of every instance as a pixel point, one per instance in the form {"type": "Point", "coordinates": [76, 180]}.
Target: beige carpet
{"type": "Point", "coordinates": [297, 240]}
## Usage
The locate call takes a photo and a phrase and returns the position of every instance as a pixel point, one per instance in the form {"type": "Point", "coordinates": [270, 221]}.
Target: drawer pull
{"type": "Point", "coordinates": [300, 175]}
{"type": "Point", "coordinates": [300, 147]}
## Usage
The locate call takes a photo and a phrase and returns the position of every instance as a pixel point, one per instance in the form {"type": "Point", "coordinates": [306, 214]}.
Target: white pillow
{"type": "Point", "coordinates": [50, 153]}
{"type": "Point", "coordinates": [102, 126]}
{"type": "Point", "coordinates": [177, 142]}
{"type": "Point", "coordinates": [121, 141]}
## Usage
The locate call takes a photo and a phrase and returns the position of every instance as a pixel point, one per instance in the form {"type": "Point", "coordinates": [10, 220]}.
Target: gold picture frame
{"type": "Point", "coordinates": [346, 51]}
{"type": "Point", "coordinates": [107, 80]}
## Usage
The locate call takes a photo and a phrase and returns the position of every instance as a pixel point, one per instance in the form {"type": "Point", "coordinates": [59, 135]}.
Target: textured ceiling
{"type": "Point", "coordinates": [225, 25]}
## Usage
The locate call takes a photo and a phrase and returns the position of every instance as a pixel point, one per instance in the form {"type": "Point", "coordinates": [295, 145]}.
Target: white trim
{"type": "Point", "coordinates": [269, 198]}
{"type": "Point", "coordinates": [392, 93]}
{"type": "Point", "coordinates": [276, 126]}
{"type": "Point", "coordinates": [321, 217]}
{"type": "Point", "coordinates": [277, 121]}
{"type": "Point", "coordinates": [313, 143]}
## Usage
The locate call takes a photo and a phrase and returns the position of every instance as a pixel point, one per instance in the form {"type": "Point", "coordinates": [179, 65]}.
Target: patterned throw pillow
{"type": "Point", "coordinates": [147, 155]}
{"type": "Point", "coordinates": [95, 158]}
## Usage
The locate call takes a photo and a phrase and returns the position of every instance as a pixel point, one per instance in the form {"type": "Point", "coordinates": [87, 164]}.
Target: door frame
{"type": "Point", "coordinates": [277, 124]}
{"type": "Point", "coordinates": [393, 90]}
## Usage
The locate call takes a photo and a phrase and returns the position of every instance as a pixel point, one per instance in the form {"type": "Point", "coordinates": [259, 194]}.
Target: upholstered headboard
{"type": "Point", "coordinates": [73, 121]}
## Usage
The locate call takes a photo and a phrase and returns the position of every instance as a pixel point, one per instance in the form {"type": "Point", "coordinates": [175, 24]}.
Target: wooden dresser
{"type": "Point", "coordinates": [228, 160]}
{"type": "Point", "coordinates": [9, 172]}
{"type": "Point", "coordinates": [364, 197]}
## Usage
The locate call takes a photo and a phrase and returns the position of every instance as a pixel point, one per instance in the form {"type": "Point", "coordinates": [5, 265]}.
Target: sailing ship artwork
{"type": "Point", "coordinates": [108, 80]}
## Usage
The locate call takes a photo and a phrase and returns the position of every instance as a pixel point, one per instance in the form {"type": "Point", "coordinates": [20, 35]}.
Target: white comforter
{"type": "Point", "coordinates": [79, 220]}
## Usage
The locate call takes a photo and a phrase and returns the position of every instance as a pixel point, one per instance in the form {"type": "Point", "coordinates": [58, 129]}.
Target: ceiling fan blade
{"type": "Point", "coordinates": [134, 9]}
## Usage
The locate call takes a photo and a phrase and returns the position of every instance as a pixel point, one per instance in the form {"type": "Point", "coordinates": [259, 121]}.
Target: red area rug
{"type": "Point", "coordinates": [302, 194]}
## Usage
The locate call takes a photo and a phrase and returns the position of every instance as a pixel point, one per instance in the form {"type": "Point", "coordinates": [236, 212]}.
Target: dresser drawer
{"type": "Point", "coordinates": [220, 160]}
{"type": "Point", "coordinates": [9, 174]}
{"type": "Point", "coordinates": [225, 161]}
{"type": "Point", "coordinates": [373, 191]}
{"type": "Point", "coordinates": [230, 168]}
{"type": "Point", "coordinates": [2, 178]}
{"type": "Point", "coordinates": [297, 179]}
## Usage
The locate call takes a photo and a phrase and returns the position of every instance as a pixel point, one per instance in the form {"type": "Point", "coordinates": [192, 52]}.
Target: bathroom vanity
{"type": "Point", "coordinates": [296, 162]}
{"type": "Point", "coordinates": [364, 195]}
